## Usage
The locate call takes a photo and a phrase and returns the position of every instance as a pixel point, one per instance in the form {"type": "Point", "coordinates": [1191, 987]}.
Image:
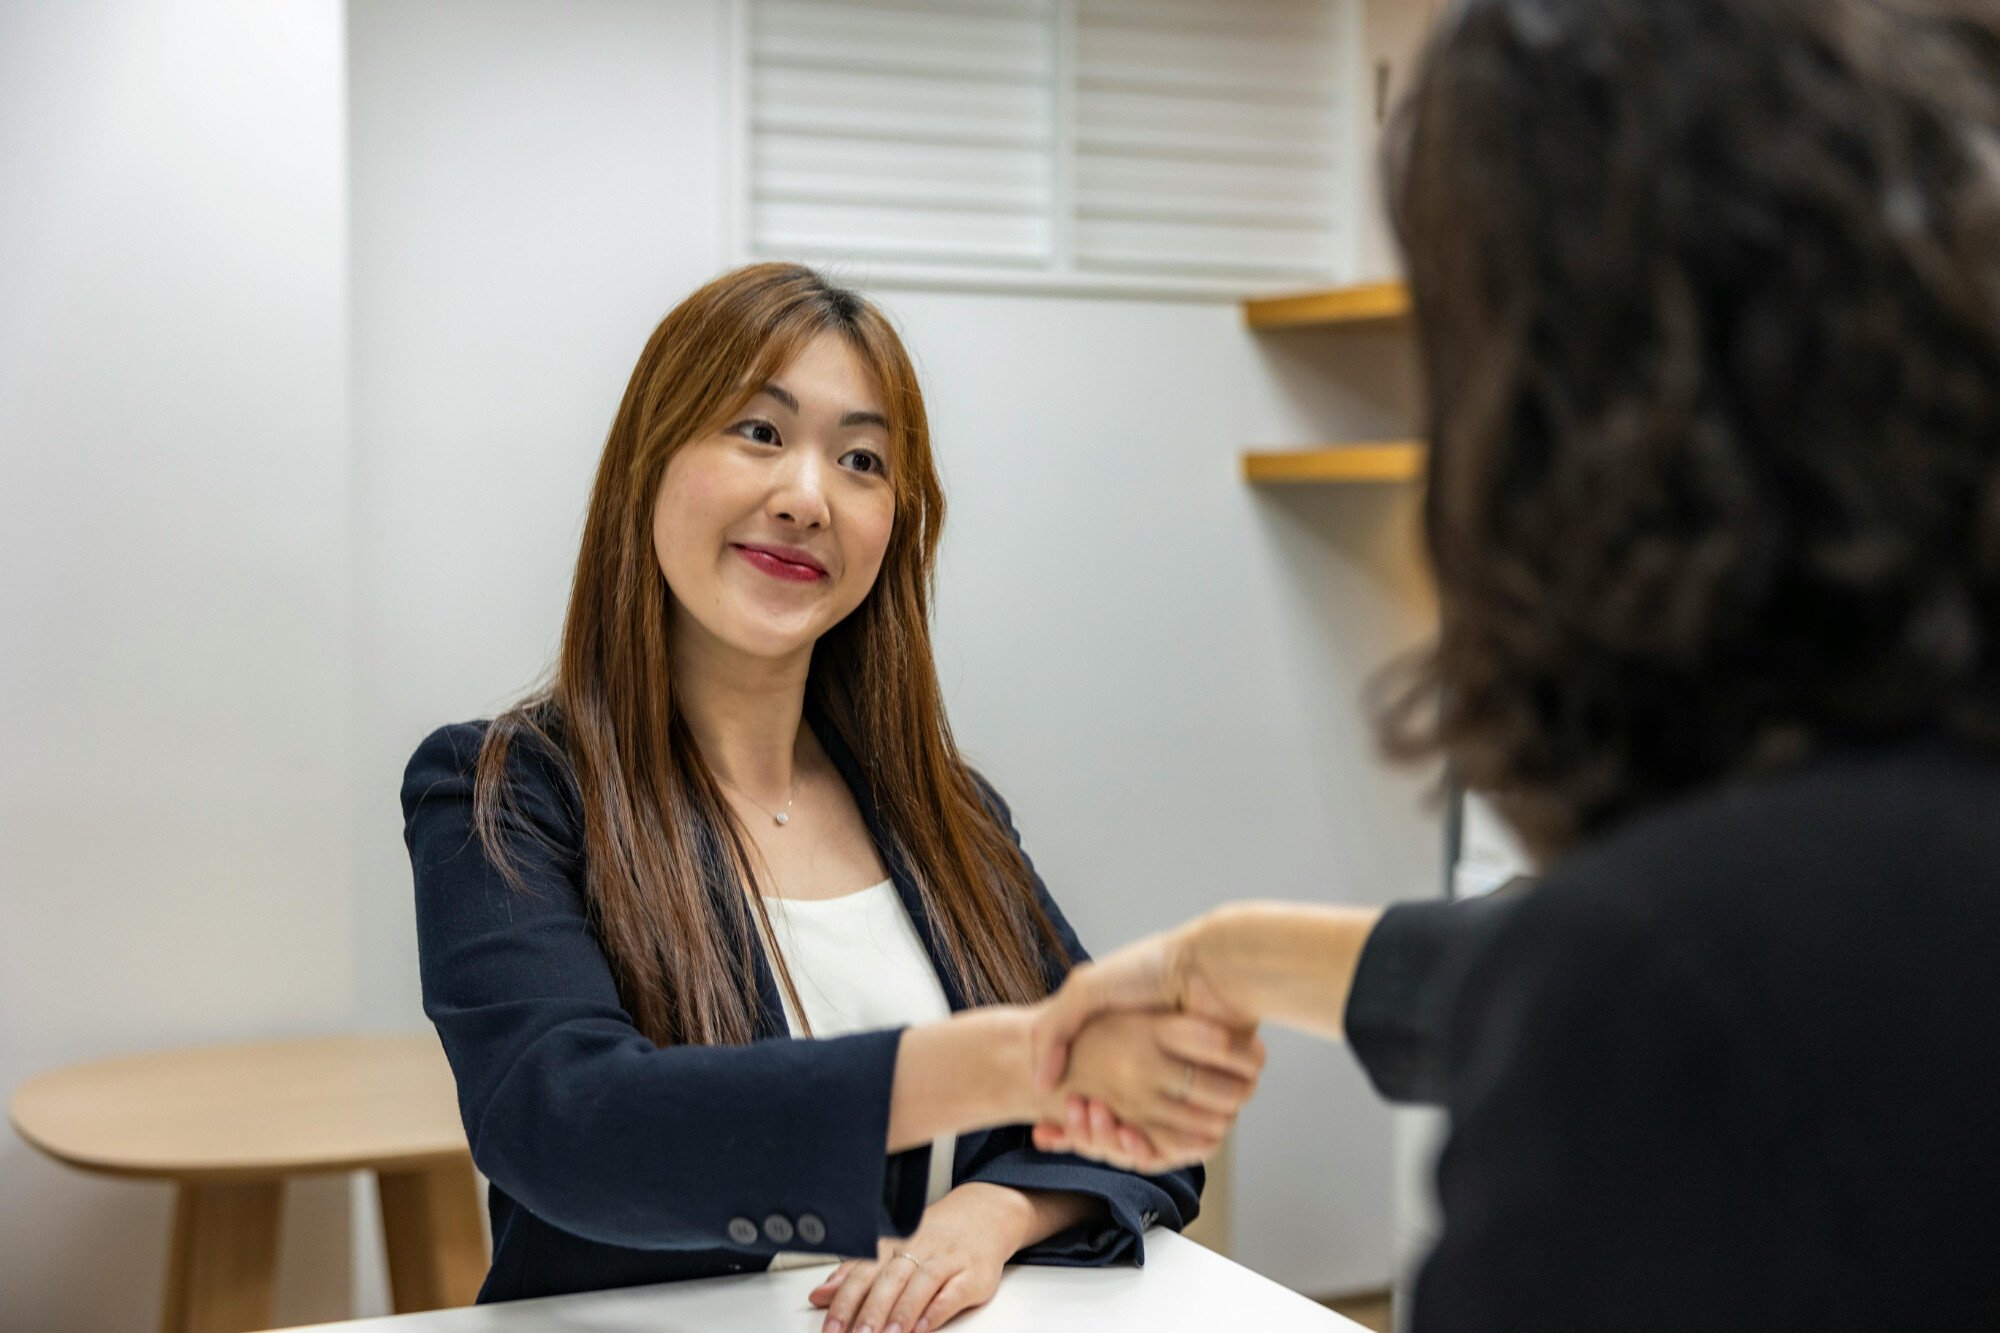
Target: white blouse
{"type": "Point", "coordinates": [859, 967]}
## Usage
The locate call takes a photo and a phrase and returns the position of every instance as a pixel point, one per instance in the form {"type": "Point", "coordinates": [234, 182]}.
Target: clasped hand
{"type": "Point", "coordinates": [1151, 1062]}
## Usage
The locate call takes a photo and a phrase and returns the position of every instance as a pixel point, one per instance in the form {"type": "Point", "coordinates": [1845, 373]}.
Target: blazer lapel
{"type": "Point", "coordinates": [727, 895]}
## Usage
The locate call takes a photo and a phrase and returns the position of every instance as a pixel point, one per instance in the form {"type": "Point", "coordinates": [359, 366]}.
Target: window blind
{"type": "Point", "coordinates": [1205, 136]}
{"type": "Point", "coordinates": [1189, 139]}
{"type": "Point", "coordinates": [908, 130]}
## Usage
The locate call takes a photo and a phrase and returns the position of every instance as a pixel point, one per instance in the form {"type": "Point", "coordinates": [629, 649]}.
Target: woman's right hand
{"type": "Point", "coordinates": [1174, 1082]}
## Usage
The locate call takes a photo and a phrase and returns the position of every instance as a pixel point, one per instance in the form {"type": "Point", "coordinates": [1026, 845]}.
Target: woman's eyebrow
{"type": "Point", "coordinates": [784, 396]}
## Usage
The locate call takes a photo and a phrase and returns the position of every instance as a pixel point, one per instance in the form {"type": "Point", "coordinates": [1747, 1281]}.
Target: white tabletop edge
{"type": "Point", "coordinates": [1183, 1286]}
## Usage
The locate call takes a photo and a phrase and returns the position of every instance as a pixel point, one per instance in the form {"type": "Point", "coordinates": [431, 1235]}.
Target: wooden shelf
{"type": "Point", "coordinates": [1375, 304]}
{"type": "Point", "coordinates": [1372, 303]}
{"type": "Point", "coordinates": [1335, 463]}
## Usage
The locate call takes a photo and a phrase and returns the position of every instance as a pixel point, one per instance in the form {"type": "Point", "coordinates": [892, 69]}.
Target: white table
{"type": "Point", "coordinates": [1182, 1286]}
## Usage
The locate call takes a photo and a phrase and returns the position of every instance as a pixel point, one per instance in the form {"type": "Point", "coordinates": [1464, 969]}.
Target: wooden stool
{"type": "Point", "coordinates": [228, 1124]}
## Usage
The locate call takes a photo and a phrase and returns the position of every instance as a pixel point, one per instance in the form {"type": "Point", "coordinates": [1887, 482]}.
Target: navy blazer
{"type": "Point", "coordinates": [614, 1161]}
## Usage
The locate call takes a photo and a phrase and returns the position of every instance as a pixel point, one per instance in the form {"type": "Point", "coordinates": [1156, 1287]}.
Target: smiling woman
{"type": "Point", "coordinates": [776, 525]}
{"type": "Point", "coordinates": [737, 962]}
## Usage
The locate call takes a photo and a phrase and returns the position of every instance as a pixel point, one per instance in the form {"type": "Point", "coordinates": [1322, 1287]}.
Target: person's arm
{"type": "Point", "coordinates": [963, 1073]}
{"type": "Point", "coordinates": [1384, 979]}
{"type": "Point", "coordinates": [1241, 964]}
{"type": "Point", "coordinates": [1379, 978]}
{"type": "Point", "coordinates": [1288, 963]}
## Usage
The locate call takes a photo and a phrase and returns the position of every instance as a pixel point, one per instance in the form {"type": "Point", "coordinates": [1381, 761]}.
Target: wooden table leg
{"type": "Point", "coordinates": [225, 1257]}
{"type": "Point", "coordinates": [437, 1247]}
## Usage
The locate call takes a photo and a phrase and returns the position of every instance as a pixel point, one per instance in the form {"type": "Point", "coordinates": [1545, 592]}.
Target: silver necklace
{"type": "Point", "coordinates": [778, 817]}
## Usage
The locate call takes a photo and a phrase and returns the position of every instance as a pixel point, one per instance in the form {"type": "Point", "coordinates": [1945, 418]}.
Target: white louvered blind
{"type": "Point", "coordinates": [1172, 140]}
{"type": "Point", "coordinates": [911, 131]}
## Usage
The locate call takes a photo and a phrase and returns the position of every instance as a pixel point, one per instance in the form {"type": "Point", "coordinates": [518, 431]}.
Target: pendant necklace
{"type": "Point", "coordinates": [778, 817]}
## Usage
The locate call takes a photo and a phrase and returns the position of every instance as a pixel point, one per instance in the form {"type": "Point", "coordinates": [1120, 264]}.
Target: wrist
{"type": "Point", "coordinates": [1216, 956]}
{"type": "Point", "coordinates": [1284, 962]}
{"type": "Point", "coordinates": [968, 1072]}
{"type": "Point", "coordinates": [1000, 1213]}
{"type": "Point", "coordinates": [1017, 1218]}
{"type": "Point", "coordinates": [1004, 1066]}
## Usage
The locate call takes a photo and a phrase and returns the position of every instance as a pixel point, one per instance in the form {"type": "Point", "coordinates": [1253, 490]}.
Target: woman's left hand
{"type": "Point", "coordinates": [950, 1264]}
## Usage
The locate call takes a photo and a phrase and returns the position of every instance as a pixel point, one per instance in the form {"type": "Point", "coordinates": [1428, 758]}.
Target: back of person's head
{"type": "Point", "coordinates": [1708, 302]}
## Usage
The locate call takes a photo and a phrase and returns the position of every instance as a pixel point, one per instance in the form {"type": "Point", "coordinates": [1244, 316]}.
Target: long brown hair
{"type": "Point", "coordinates": [1708, 299]}
{"type": "Point", "coordinates": [668, 878]}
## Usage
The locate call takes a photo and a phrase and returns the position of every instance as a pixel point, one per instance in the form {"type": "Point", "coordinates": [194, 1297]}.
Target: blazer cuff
{"type": "Point", "coordinates": [1400, 1005]}
{"type": "Point", "coordinates": [905, 1185]}
{"type": "Point", "coordinates": [1132, 1204]}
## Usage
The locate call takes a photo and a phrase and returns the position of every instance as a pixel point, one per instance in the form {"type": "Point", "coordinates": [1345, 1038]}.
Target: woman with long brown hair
{"type": "Point", "coordinates": [1707, 294]}
{"type": "Point", "coordinates": [735, 960]}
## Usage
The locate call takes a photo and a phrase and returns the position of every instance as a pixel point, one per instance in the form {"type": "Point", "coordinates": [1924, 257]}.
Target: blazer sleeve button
{"type": "Point", "coordinates": [777, 1228]}
{"type": "Point", "coordinates": [743, 1231]}
{"type": "Point", "coordinates": [811, 1230]}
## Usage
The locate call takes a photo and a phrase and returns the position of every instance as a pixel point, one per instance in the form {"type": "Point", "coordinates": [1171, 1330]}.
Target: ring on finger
{"type": "Point", "coordinates": [905, 1254]}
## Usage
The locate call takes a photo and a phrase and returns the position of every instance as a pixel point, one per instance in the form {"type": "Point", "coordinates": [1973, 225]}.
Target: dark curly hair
{"type": "Point", "coordinates": [1708, 303]}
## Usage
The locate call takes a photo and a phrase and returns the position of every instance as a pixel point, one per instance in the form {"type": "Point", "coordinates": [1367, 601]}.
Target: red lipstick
{"type": "Point", "coordinates": [783, 562]}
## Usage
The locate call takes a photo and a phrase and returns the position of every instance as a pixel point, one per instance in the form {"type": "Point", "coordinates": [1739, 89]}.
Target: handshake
{"type": "Point", "coordinates": [1141, 1060]}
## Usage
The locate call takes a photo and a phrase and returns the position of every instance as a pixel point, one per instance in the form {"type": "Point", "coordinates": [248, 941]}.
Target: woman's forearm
{"type": "Point", "coordinates": [1288, 963]}
{"type": "Point", "coordinates": [1056, 1211]}
{"type": "Point", "coordinates": [968, 1072]}
{"type": "Point", "coordinates": [1026, 1217]}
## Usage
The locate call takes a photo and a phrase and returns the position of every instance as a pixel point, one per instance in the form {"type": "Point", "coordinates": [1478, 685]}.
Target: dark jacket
{"type": "Point", "coordinates": [1736, 1066]}
{"type": "Point", "coordinates": [1399, 1009]}
{"type": "Point", "coordinates": [614, 1161]}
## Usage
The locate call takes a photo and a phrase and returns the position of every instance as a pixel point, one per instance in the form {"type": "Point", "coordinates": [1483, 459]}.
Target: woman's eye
{"type": "Point", "coordinates": [866, 461]}
{"type": "Point", "coordinates": [763, 432]}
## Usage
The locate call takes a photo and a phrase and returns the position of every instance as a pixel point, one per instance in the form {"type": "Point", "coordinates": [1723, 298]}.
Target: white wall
{"type": "Point", "coordinates": [173, 586]}
{"type": "Point", "coordinates": [287, 504]}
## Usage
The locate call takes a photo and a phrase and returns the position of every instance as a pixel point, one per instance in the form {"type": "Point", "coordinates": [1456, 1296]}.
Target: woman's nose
{"type": "Point", "coordinates": [800, 494]}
